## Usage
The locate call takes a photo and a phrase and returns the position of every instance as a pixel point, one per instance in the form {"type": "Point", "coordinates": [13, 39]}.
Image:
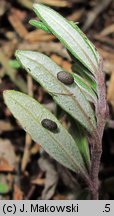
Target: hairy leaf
{"type": "Point", "coordinates": [14, 64]}
{"type": "Point", "coordinates": [84, 85]}
{"type": "Point", "coordinates": [39, 25]}
{"type": "Point", "coordinates": [85, 74]}
{"type": "Point", "coordinates": [59, 144]}
{"type": "Point", "coordinates": [84, 149]}
{"type": "Point", "coordinates": [72, 38]}
{"type": "Point", "coordinates": [80, 137]}
{"type": "Point", "coordinates": [70, 98]}
{"type": "Point", "coordinates": [90, 44]}
{"type": "Point", "coordinates": [4, 189]}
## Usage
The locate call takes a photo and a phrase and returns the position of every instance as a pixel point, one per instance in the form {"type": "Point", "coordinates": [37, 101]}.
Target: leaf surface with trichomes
{"type": "Point", "coordinates": [59, 144]}
{"type": "Point", "coordinates": [39, 25]}
{"type": "Point", "coordinates": [79, 135]}
{"type": "Point", "coordinates": [77, 68]}
{"type": "Point", "coordinates": [86, 87]}
{"type": "Point", "coordinates": [72, 38]}
{"type": "Point", "coordinates": [70, 98]}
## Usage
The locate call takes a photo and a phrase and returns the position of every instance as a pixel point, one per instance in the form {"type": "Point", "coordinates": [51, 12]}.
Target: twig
{"type": "Point", "coordinates": [32, 189]}
{"type": "Point", "coordinates": [104, 40]}
{"type": "Point", "coordinates": [42, 47]}
{"type": "Point", "coordinates": [92, 15]}
{"type": "Point", "coordinates": [27, 3]}
{"type": "Point", "coordinates": [17, 25]}
{"type": "Point", "coordinates": [108, 30]}
{"type": "Point", "coordinates": [56, 3]}
{"type": "Point", "coordinates": [76, 15]}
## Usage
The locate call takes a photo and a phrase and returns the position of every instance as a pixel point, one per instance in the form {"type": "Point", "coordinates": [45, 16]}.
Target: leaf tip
{"type": "Point", "coordinates": [38, 8]}
{"type": "Point", "coordinates": [36, 5]}
{"type": "Point", "coordinates": [31, 22]}
{"type": "Point", "coordinates": [5, 95]}
{"type": "Point", "coordinates": [17, 53]}
{"type": "Point", "coordinates": [6, 92]}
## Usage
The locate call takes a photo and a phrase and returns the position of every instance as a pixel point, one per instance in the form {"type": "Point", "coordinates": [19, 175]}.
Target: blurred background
{"type": "Point", "coordinates": [26, 171]}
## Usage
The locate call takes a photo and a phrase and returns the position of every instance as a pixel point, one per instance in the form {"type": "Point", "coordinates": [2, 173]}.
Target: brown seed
{"type": "Point", "coordinates": [49, 124]}
{"type": "Point", "coordinates": [65, 77]}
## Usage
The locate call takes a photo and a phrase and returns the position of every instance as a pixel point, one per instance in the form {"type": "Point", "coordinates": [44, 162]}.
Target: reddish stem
{"type": "Point", "coordinates": [101, 115]}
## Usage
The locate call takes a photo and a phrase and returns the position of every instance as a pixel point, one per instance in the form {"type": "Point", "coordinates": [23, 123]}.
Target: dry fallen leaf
{"type": "Point", "coordinates": [36, 36]}
{"type": "Point", "coordinates": [5, 126]}
{"type": "Point", "coordinates": [35, 149]}
{"type": "Point", "coordinates": [7, 154]}
{"type": "Point", "coordinates": [108, 30]}
{"type": "Point", "coordinates": [57, 59]}
{"type": "Point", "coordinates": [4, 166]}
{"type": "Point", "coordinates": [17, 194]}
{"type": "Point", "coordinates": [18, 25]}
{"type": "Point", "coordinates": [55, 3]}
{"type": "Point", "coordinates": [67, 66]}
{"type": "Point", "coordinates": [60, 197]}
{"type": "Point", "coordinates": [39, 181]}
{"type": "Point", "coordinates": [51, 179]}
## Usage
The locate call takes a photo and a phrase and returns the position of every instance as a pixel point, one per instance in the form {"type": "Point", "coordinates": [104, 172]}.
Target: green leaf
{"type": "Point", "coordinates": [90, 44]}
{"type": "Point", "coordinates": [4, 188]}
{"type": "Point", "coordinates": [14, 64]}
{"type": "Point", "coordinates": [85, 74]}
{"type": "Point", "coordinates": [80, 137]}
{"type": "Point", "coordinates": [84, 149]}
{"type": "Point", "coordinates": [39, 25]}
{"type": "Point", "coordinates": [88, 91]}
{"type": "Point", "coordinates": [60, 144]}
{"type": "Point", "coordinates": [70, 98]}
{"type": "Point", "coordinates": [72, 38]}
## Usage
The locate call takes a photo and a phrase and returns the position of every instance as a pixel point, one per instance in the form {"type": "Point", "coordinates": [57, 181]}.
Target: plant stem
{"type": "Point", "coordinates": [101, 115]}
{"type": "Point", "coordinates": [96, 156]}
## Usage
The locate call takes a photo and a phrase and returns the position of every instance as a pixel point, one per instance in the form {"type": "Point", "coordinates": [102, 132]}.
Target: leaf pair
{"type": "Point", "coordinates": [71, 98]}
{"type": "Point", "coordinates": [30, 113]}
{"type": "Point", "coordinates": [73, 39]}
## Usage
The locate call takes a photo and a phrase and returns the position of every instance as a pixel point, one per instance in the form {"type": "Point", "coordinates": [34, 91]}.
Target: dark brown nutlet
{"type": "Point", "coordinates": [49, 124]}
{"type": "Point", "coordinates": [65, 77]}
